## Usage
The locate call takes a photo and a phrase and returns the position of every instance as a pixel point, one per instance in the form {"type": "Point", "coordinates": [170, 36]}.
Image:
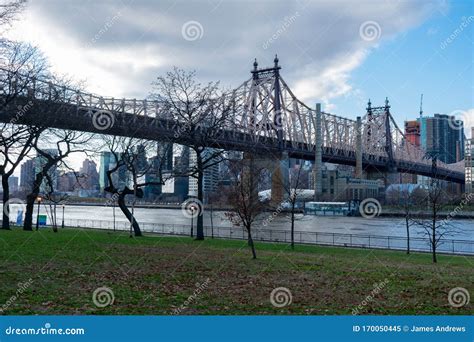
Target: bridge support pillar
{"type": "Point", "coordinates": [359, 173]}
{"type": "Point", "coordinates": [318, 157]}
{"type": "Point", "coordinates": [279, 168]}
{"type": "Point", "coordinates": [280, 179]}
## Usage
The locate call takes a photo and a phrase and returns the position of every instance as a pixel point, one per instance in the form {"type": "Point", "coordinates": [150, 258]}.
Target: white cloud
{"type": "Point", "coordinates": [318, 51]}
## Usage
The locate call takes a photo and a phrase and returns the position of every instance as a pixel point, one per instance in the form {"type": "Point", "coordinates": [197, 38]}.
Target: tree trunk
{"type": "Point", "coordinates": [126, 212]}
{"type": "Point", "coordinates": [200, 181]}
{"type": "Point", "coordinates": [433, 234]}
{"type": "Point", "coordinates": [6, 205]}
{"type": "Point", "coordinates": [251, 244]}
{"type": "Point", "coordinates": [407, 222]}
{"type": "Point", "coordinates": [433, 245]}
{"type": "Point", "coordinates": [30, 198]}
{"type": "Point", "coordinates": [55, 221]}
{"type": "Point", "coordinates": [293, 227]}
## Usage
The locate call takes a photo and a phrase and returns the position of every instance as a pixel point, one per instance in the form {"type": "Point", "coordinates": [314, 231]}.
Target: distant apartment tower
{"type": "Point", "coordinates": [13, 184]}
{"type": "Point", "coordinates": [211, 174]}
{"type": "Point", "coordinates": [412, 132]}
{"type": "Point", "coordinates": [443, 135]}
{"type": "Point", "coordinates": [39, 162]}
{"type": "Point", "coordinates": [27, 175]}
{"type": "Point", "coordinates": [469, 159]}
{"type": "Point", "coordinates": [119, 177]}
{"type": "Point", "coordinates": [165, 154]}
{"type": "Point", "coordinates": [89, 176]}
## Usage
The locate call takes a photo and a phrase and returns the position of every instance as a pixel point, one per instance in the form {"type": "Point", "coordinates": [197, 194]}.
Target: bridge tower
{"type": "Point", "coordinates": [318, 156]}
{"type": "Point", "coordinates": [277, 164]}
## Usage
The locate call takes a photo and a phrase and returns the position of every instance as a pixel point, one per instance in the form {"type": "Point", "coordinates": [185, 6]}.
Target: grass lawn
{"type": "Point", "coordinates": [157, 275]}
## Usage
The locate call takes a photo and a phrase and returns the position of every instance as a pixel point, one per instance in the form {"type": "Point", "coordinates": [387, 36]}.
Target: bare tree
{"type": "Point", "coordinates": [15, 144]}
{"type": "Point", "coordinates": [246, 207]}
{"type": "Point", "coordinates": [203, 111]}
{"type": "Point", "coordinates": [293, 191]}
{"type": "Point", "coordinates": [53, 199]}
{"type": "Point", "coordinates": [65, 143]}
{"type": "Point", "coordinates": [130, 160]}
{"type": "Point", "coordinates": [9, 10]}
{"type": "Point", "coordinates": [406, 199]}
{"type": "Point", "coordinates": [435, 227]}
{"type": "Point", "coordinates": [20, 64]}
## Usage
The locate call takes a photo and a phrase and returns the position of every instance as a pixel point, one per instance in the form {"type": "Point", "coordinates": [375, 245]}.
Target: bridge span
{"type": "Point", "coordinates": [266, 116]}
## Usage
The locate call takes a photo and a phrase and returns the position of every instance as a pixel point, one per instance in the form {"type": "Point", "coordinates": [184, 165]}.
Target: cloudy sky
{"type": "Point", "coordinates": [335, 52]}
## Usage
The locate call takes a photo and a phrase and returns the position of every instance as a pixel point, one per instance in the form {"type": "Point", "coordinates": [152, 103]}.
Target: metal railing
{"type": "Point", "coordinates": [451, 246]}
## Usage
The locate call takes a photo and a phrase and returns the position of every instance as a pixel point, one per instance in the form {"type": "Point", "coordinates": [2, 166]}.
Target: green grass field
{"type": "Point", "coordinates": [156, 275]}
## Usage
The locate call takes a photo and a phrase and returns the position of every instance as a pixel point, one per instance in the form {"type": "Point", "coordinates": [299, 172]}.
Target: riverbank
{"type": "Point", "coordinates": [159, 275]}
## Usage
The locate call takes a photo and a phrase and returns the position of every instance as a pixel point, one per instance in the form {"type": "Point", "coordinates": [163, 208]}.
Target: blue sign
{"type": "Point", "coordinates": [237, 328]}
{"type": "Point", "coordinates": [19, 218]}
{"type": "Point", "coordinates": [42, 219]}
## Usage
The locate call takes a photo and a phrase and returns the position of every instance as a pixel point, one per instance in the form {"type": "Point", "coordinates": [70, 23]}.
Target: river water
{"type": "Point", "coordinates": [392, 226]}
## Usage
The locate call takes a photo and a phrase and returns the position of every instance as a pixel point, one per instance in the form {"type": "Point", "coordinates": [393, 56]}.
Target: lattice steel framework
{"type": "Point", "coordinates": [264, 107]}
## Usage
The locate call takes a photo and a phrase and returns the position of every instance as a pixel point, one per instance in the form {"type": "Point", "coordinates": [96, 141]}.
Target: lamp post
{"type": "Point", "coordinates": [193, 209]}
{"type": "Point", "coordinates": [38, 199]}
{"type": "Point", "coordinates": [62, 224]}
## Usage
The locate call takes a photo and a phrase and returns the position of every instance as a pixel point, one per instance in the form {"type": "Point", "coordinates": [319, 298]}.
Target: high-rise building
{"type": "Point", "coordinates": [106, 163]}
{"type": "Point", "coordinates": [40, 162]}
{"type": "Point", "coordinates": [13, 184]}
{"type": "Point", "coordinates": [469, 159]}
{"type": "Point", "coordinates": [27, 175]}
{"type": "Point", "coordinates": [211, 174]}
{"type": "Point", "coordinates": [67, 182]}
{"type": "Point", "coordinates": [89, 177]}
{"type": "Point", "coordinates": [119, 177]}
{"type": "Point", "coordinates": [165, 154]}
{"type": "Point", "coordinates": [412, 132]}
{"type": "Point", "coordinates": [443, 135]}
